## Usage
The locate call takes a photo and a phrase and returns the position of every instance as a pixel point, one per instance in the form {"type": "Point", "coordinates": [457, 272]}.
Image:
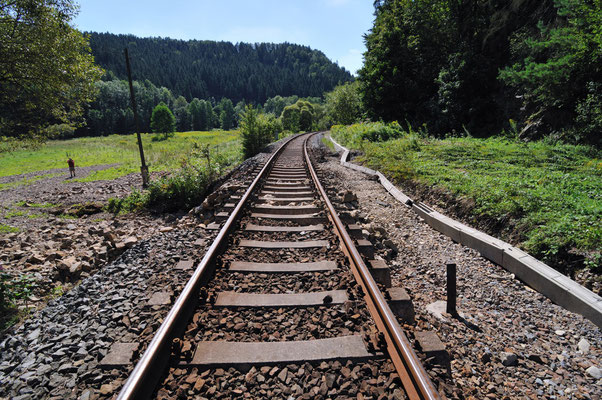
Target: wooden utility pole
{"type": "Point", "coordinates": [143, 167]}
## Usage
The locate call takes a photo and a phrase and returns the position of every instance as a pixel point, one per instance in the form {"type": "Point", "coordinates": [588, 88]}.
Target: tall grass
{"type": "Point", "coordinates": [164, 155]}
{"type": "Point", "coordinates": [185, 187]}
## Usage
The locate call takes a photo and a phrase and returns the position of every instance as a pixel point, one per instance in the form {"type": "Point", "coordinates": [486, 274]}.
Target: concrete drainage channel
{"type": "Point", "coordinates": [541, 277]}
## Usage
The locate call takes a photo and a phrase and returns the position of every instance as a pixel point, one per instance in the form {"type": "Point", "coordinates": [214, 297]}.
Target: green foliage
{"type": "Point", "coordinates": [328, 143]}
{"type": "Point", "coordinates": [14, 289]}
{"type": "Point", "coordinates": [47, 72]}
{"type": "Point", "coordinates": [558, 68]}
{"type": "Point", "coordinates": [305, 119]}
{"type": "Point", "coordinates": [461, 66]}
{"type": "Point", "coordinates": [226, 114]}
{"type": "Point", "coordinates": [182, 114]}
{"type": "Point", "coordinates": [111, 113]}
{"type": "Point", "coordinates": [10, 144]}
{"type": "Point", "coordinates": [202, 114]}
{"type": "Point", "coordinates": [135, 201]}
{"type": "Point", "coordinates": [59, 131]}
{"type": "Point", "coordinates": [182, 190]}
{"type": "Point", "coordinates": [115, 149]}
{"type": "Point", "coordinates": [185, 188]}
{"type": "Point", "coordinates": [299, 116]}
{"type": "Point", "coordinates": [207, 69]}
{"type": "Point", "coordinates": [290, 119]}
{"type": "Point", "coordinates": [8, 229]}
{"type": "Point", "coordinates": [547, 195]}
{"type": "Point", "coordinates": [257, 130]}
{"type": "Point", "coordinates": [343, 104]}
{"type": "Point", "coordinates": [163, 121]}
{"type": "Point", "coordinates": [356, 134]}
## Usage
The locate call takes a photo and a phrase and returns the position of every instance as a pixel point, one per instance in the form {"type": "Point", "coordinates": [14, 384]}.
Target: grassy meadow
{"type": "Point", "coordinates": [163, 155]}
{"type": "Point", "coordinates": [547, 195]}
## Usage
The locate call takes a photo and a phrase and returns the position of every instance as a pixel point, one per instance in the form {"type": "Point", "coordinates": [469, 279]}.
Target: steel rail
{"type": "Point", "coordinates": [143, 379]}
{"type": "Point", "coordinates": [415, 379]}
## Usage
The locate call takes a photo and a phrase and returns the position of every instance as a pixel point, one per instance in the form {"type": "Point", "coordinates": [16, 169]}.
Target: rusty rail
{"type": "Point", "coordinates": [143, 379]}
{"type": "Point", "coordinates": [415, 379]}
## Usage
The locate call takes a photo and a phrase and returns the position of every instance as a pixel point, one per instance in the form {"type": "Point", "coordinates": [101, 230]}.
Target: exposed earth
{"type": "Point", "coordinates": [63, 234]}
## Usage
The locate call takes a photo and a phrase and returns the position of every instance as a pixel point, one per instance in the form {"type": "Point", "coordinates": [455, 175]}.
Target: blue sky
{"type": "Point", "coordinates": [335, 27]}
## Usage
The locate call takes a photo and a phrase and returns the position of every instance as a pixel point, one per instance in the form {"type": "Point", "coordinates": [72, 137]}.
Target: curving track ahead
{"type": "Point", "coordinates": [281, 305]}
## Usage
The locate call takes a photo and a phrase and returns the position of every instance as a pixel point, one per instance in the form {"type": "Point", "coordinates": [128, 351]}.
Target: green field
{"type": "Point", "coordinates": [549, 196]}
{"type": "Point", "coordinates": [164, 155]}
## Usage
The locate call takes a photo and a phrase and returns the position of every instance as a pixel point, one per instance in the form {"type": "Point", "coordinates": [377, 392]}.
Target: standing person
{"type": "Point", "coordinates": [71, 167]}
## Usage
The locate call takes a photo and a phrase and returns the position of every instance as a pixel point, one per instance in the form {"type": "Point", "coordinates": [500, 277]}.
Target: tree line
{"type": "Point", "coordinates": [52, 77]}
{"type": "Point", "coordinates": [207, 69]}
{"type": "Point", "coordinates": [531, 68]}
{"type": "Point", "coordinates": [111, 112]}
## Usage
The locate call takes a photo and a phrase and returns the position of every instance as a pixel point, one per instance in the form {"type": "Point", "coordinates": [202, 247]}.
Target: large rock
{"type": "Point", "coordinates": [130, 241]}
{"type": "Point", "coordinates": [66, 263]}
{"type": "Point", "coordinates": [508, 359]}
{"type": "Point", "coordinates": [594, 372]}
{"type": "Point", "coordinates": [583, 346]}
{"type": "Point", "coordinates": [348, 197]}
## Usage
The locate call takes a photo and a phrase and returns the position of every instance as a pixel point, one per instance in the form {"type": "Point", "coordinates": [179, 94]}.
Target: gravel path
{"type": "Point", "coordinates": [549, 352]}
{"type": "Point", "coordinates": [57, 188]}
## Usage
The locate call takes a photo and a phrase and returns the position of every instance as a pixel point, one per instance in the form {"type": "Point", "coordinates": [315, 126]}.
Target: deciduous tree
{"type": "Point", "coordinates": [163, 121]}
{"type": "Point", "coordinates": [343, 104]}
{"type": "Point", "coordinates": [47, 73]}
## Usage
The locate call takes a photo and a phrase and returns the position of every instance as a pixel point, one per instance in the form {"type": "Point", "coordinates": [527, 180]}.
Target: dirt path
{"type": "Point", "coordinates": [56, 187]}
{"type": "Point", "coordinates": [55, 232]}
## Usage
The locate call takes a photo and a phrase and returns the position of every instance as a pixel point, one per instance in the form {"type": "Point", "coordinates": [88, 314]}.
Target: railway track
{"type": "Point", "coordinates": [281, 306]}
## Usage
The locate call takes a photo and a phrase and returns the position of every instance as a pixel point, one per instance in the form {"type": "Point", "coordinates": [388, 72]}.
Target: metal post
{"type": "Point", "coordinates": [143, 167]}
{"type": "Point", "coordinates": [451, 288]}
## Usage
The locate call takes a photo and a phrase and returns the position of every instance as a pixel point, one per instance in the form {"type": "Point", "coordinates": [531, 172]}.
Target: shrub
{"type": "Point", "coordinates": [13, 289]}
{"type": "Point", "coordinates": [354, 135]}
{"type": "Point", "coordinates": [257, 130]}
{"type": "Point", "coordinates": [182, 190]}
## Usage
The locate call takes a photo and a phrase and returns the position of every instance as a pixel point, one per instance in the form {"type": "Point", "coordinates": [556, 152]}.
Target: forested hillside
{"type": "Point", "coordinates": [205, 69]}
{"type": "Point", "coordinates": [530, 67]}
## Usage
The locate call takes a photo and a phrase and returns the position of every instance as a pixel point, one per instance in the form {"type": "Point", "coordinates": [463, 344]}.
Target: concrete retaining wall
{"type": "Point", "coordinates": [541, 277]}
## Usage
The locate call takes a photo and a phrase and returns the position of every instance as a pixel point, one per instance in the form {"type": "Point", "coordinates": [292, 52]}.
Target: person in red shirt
{"type": "Point", "coordinates": [71, 167]}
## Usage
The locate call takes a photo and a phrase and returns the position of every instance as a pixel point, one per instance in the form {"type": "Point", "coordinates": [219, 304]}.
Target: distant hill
{"type": "Point", "coordinates": [205, 69]}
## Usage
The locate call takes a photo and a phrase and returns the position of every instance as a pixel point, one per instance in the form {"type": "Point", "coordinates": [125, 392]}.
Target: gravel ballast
{"type": "Point", "coordinates": [511, 341]}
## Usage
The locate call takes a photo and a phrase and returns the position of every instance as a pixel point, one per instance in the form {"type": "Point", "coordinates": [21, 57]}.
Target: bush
{"type": "Point", "coordinates": [344, 105]}
{"type": "Point", "coordinates": [13, 289]}
{"type": "Point", "coordinates": [257, 130]}
{"type": "Point", "coordinates": [354, 135]}
{"type": "Point", "coordinates": [182, 190]}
